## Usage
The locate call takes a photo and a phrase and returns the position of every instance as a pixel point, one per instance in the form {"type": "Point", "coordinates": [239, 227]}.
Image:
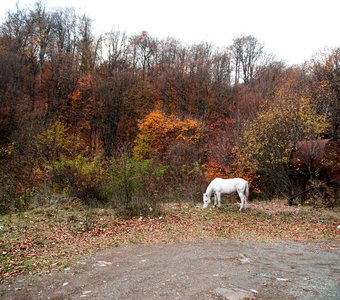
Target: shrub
{"type": "Point", "coordinates": [136, 185]}
{"type": "Point", "coordinates": [185, 172]}
{"type": "Point", "coordinates": [177, 143]}
{"type": "Point", "coordinates": [266, 142]}
{"type": "Point", "coordinates": [57, 141]}
{"type": "Point", "coordinates": [7, 192]}
{"type": "Point", "coordinates": [69, 169]}
{"type": "Point", "coordinates": [80, 177]}
{"type": "Point", "coordinates": [8, 188]}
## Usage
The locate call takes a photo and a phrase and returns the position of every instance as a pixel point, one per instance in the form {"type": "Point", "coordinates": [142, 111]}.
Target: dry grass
{"type": "Point", "coordinates": [280, 206]}
{"type": "Point", "coordinates": [48, 238]}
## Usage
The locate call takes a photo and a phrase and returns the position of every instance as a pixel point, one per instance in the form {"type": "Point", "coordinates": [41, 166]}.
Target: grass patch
{"type": "Point", "coordinates": [52, 238]}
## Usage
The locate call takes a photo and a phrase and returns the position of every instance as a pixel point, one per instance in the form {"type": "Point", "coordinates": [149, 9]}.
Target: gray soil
{"type": "Point", "coordinates": [205, 269]}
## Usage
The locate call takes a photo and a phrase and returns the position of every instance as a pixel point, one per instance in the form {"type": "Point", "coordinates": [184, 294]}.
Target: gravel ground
{"type": "Point", "coordinates": [203, 269]}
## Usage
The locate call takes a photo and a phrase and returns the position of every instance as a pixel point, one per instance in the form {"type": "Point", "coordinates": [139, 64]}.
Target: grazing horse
{"type": "Point", "coordinates": [221, 186]}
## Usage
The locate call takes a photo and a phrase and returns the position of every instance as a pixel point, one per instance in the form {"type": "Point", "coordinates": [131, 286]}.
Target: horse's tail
{"type": "Point", "coordinates": [246, 192]}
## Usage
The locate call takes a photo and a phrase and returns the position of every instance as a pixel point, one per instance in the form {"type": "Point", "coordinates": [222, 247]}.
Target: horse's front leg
{"type": "Point", "coordinates": [215, 200]}
{"type": "Point", "coordinates": [218, 196]}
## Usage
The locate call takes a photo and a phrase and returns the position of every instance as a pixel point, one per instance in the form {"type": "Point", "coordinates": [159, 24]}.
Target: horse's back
{"type": "Point", "coordinates": [239, 183]}
{"type": "Point", "coordinates": [230, 181]}
{"type": "Point", "coordinates": [229, 185]}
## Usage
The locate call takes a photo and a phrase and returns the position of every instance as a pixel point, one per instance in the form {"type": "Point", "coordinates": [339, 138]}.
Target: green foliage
{"type": "Point", "coordinates": [72, 172]}
{"type": "Point", "coordinates": [7, 192]}
{"type": "Point", "coordinates": [143, 146]}
{"type": "Point", "coordinates": [185, 173]}
{"type": "Point", "coordinates": [136, 184]}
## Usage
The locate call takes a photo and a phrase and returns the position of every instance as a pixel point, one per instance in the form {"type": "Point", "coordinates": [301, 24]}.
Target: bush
{"type": "Point", "coordinates": [266, 142]}
{"type": "Point", "coordinates": [185, 172]}
{"type": "Point", "coordinates": [79, 177]}
{"type": "Point", "coordinates": [177, 143]}
{"type": "Point", "coordinates": [57, 141]}
{"type": "Point", "coordinates": [10, 169]}
{"type": "Point", "coordinates": [69, 169]}
{"type": "Point", "coordinates": [7, 192]}
{"type": "Point", "coordinates": [136, 185]}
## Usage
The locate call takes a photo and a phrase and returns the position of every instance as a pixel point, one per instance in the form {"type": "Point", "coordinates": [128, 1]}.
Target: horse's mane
{"type": "Point", "coordinates": [210, 189]}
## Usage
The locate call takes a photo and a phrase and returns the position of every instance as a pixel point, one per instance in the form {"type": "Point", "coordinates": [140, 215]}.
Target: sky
{"type": "Point", "coordinates": [293, 30]}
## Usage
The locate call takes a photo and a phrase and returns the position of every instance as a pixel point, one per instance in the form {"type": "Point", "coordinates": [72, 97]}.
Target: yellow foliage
{"type": "Point", "coordinates": [268, 139]}
{"type": "Point", "coordinates": [6, 150]}
{"type": "Point", "coordinates": [56, 141]}
{"type": "Point", "coordinates": [65, 161]}
{"type": "Point", "coordinates": [84, 170]}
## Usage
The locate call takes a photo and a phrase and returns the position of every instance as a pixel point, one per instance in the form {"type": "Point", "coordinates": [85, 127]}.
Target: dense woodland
{"type": "Point", "coordinates": [113, 119]}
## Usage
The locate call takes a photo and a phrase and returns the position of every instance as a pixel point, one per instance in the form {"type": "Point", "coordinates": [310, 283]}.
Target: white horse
{"type": "Point", "coordinates": [221, 186]}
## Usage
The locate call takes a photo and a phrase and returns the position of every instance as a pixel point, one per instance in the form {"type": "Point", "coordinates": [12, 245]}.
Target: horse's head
{"type": "Point", "coordinates": [206, 200]}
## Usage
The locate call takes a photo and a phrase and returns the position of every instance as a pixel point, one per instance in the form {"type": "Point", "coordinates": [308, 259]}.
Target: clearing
{"type": "Point", "coordinates": [272, 251]}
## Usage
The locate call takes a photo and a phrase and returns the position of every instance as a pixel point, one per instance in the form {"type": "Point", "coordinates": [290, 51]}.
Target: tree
{"type": "Point", "coordinates": [11, 90]}
{"type": "Point", "coordinates": [117, 46]}
{"type": "Point", "coordinates": [82, 110]}
{"type": "Point", "coordinates": [88, 47]}
{"type": "Point", "coordinates": [158, 131]}
{"type": "Point", "coordinates": [63, 63]}
{"type": "Point", "coordinates": [116, 121]}
{"type": "Point", "coordinates": [18, 34]}
{"type": "Point", "coordinates": [267, 140]}
{"type": "Point", "coordinates": [177, 144]}
{"type": "Point", "coordinates": [246, 52]}
{"type": "Point", "coordinates": [42, 32]}
{"type": "Point", "coordinates": [144, 49]}
{"type": "Point", "coordinates": [324, 87]}
{"type": "Point", "coordinates": [64, 161]}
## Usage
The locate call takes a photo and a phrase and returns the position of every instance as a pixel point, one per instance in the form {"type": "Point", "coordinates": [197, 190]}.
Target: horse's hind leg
{"type": "Point", "coordinates": [243, 199]}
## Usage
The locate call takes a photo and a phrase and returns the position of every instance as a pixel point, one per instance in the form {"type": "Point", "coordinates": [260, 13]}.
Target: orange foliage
{"type": "Point", "coordinates": [158, 130]}
{"type": "Point", "coordinates": [83, 111]}
{"type": "Point", "coordinates": [81, 103]}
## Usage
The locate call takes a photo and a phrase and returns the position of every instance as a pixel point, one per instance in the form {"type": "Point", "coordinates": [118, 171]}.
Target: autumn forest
{"type": "Point", "coordinates": [132, 121]}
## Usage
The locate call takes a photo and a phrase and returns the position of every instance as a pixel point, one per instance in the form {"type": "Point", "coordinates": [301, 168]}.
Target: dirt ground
{"type": "Point", "coordinates": [203, 270]}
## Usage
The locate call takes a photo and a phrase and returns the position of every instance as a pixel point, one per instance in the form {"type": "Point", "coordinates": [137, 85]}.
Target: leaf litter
{"type": "Point", "coordinates": [41, 240]}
